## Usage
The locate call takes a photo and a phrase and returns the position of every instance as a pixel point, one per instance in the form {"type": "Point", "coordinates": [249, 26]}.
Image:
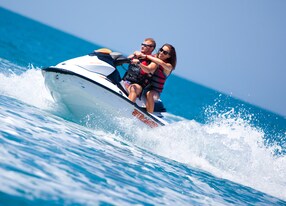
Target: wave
{"type": "Point", "coordinates": [228, 146]}
{"type": "Point", "coordinates": [27, 87]}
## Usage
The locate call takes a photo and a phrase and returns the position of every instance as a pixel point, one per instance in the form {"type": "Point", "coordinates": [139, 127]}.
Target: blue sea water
{"type": "Point", "coordinates": [217, 151]}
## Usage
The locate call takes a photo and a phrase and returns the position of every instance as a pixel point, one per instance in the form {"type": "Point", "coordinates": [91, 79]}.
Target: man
{"type": "Point", "coordinates": [136, 79]}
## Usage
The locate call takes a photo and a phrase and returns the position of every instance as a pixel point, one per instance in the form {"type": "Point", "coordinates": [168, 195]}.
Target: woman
{"type": "Point", "coordinates": [161, 67]}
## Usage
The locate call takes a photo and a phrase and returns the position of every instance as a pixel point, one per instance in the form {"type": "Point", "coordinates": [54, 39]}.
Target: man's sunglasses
{"type": "Point", "coordinates": [147, 45]}
{"type": "Point", "coordinates": [164, 52]}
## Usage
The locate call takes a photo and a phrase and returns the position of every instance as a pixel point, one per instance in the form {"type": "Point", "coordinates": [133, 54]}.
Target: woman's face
{"type": "Point", "coordinates": [164, 53]}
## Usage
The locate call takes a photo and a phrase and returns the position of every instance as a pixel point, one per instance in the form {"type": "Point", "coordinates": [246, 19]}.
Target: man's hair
{"type": "Point", "coordinates": [151, 40]}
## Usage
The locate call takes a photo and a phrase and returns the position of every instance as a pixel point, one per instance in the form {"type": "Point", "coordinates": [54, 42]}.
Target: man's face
{"type": "Point", "coordinates": [147, 47]}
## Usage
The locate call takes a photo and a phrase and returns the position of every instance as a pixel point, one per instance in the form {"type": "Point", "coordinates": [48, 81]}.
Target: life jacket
{"type": "Point", "coordinates": [136, 75]}
{"type": "Point", "coordinates": [158, 79]}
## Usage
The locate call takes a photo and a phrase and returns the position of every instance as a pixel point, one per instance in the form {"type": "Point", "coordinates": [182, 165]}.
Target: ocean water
{"type": "Point", "coordinates": [217, 151]}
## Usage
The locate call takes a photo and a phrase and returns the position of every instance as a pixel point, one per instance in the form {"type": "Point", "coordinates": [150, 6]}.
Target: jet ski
{"type": "Point", "coordinates": [92, 85]}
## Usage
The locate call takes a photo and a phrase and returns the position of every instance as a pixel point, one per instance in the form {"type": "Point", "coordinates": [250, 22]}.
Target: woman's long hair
{"type": "Point", "coordinates": [173, 55]}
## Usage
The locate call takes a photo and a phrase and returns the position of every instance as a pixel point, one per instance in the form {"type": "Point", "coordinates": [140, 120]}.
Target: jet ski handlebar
{"type": "Point", "coordinates": [119, 59]}
{"type": "Point", "coordinates": [113, 58]}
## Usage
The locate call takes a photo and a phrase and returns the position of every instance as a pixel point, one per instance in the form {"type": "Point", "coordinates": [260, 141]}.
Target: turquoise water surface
{"type": "Point", "coordinates": [217, 151]}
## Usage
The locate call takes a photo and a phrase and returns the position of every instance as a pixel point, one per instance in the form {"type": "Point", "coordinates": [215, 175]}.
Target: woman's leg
{"type": "Point", "coordinates": [151, 97]}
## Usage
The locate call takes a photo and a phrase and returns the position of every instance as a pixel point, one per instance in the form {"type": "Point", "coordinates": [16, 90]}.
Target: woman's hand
{"type": "Point", "coordinates": [139, 55]}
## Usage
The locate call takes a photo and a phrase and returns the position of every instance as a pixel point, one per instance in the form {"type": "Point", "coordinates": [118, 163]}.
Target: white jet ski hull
{"type": "Point", "coordinates": [84, 97]}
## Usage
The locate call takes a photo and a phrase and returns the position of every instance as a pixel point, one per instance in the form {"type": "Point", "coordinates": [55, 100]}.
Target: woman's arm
{"type": "Point", "coordinates": [151, 68]}
{"type": "Point", "coordinates": [167, 66]}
